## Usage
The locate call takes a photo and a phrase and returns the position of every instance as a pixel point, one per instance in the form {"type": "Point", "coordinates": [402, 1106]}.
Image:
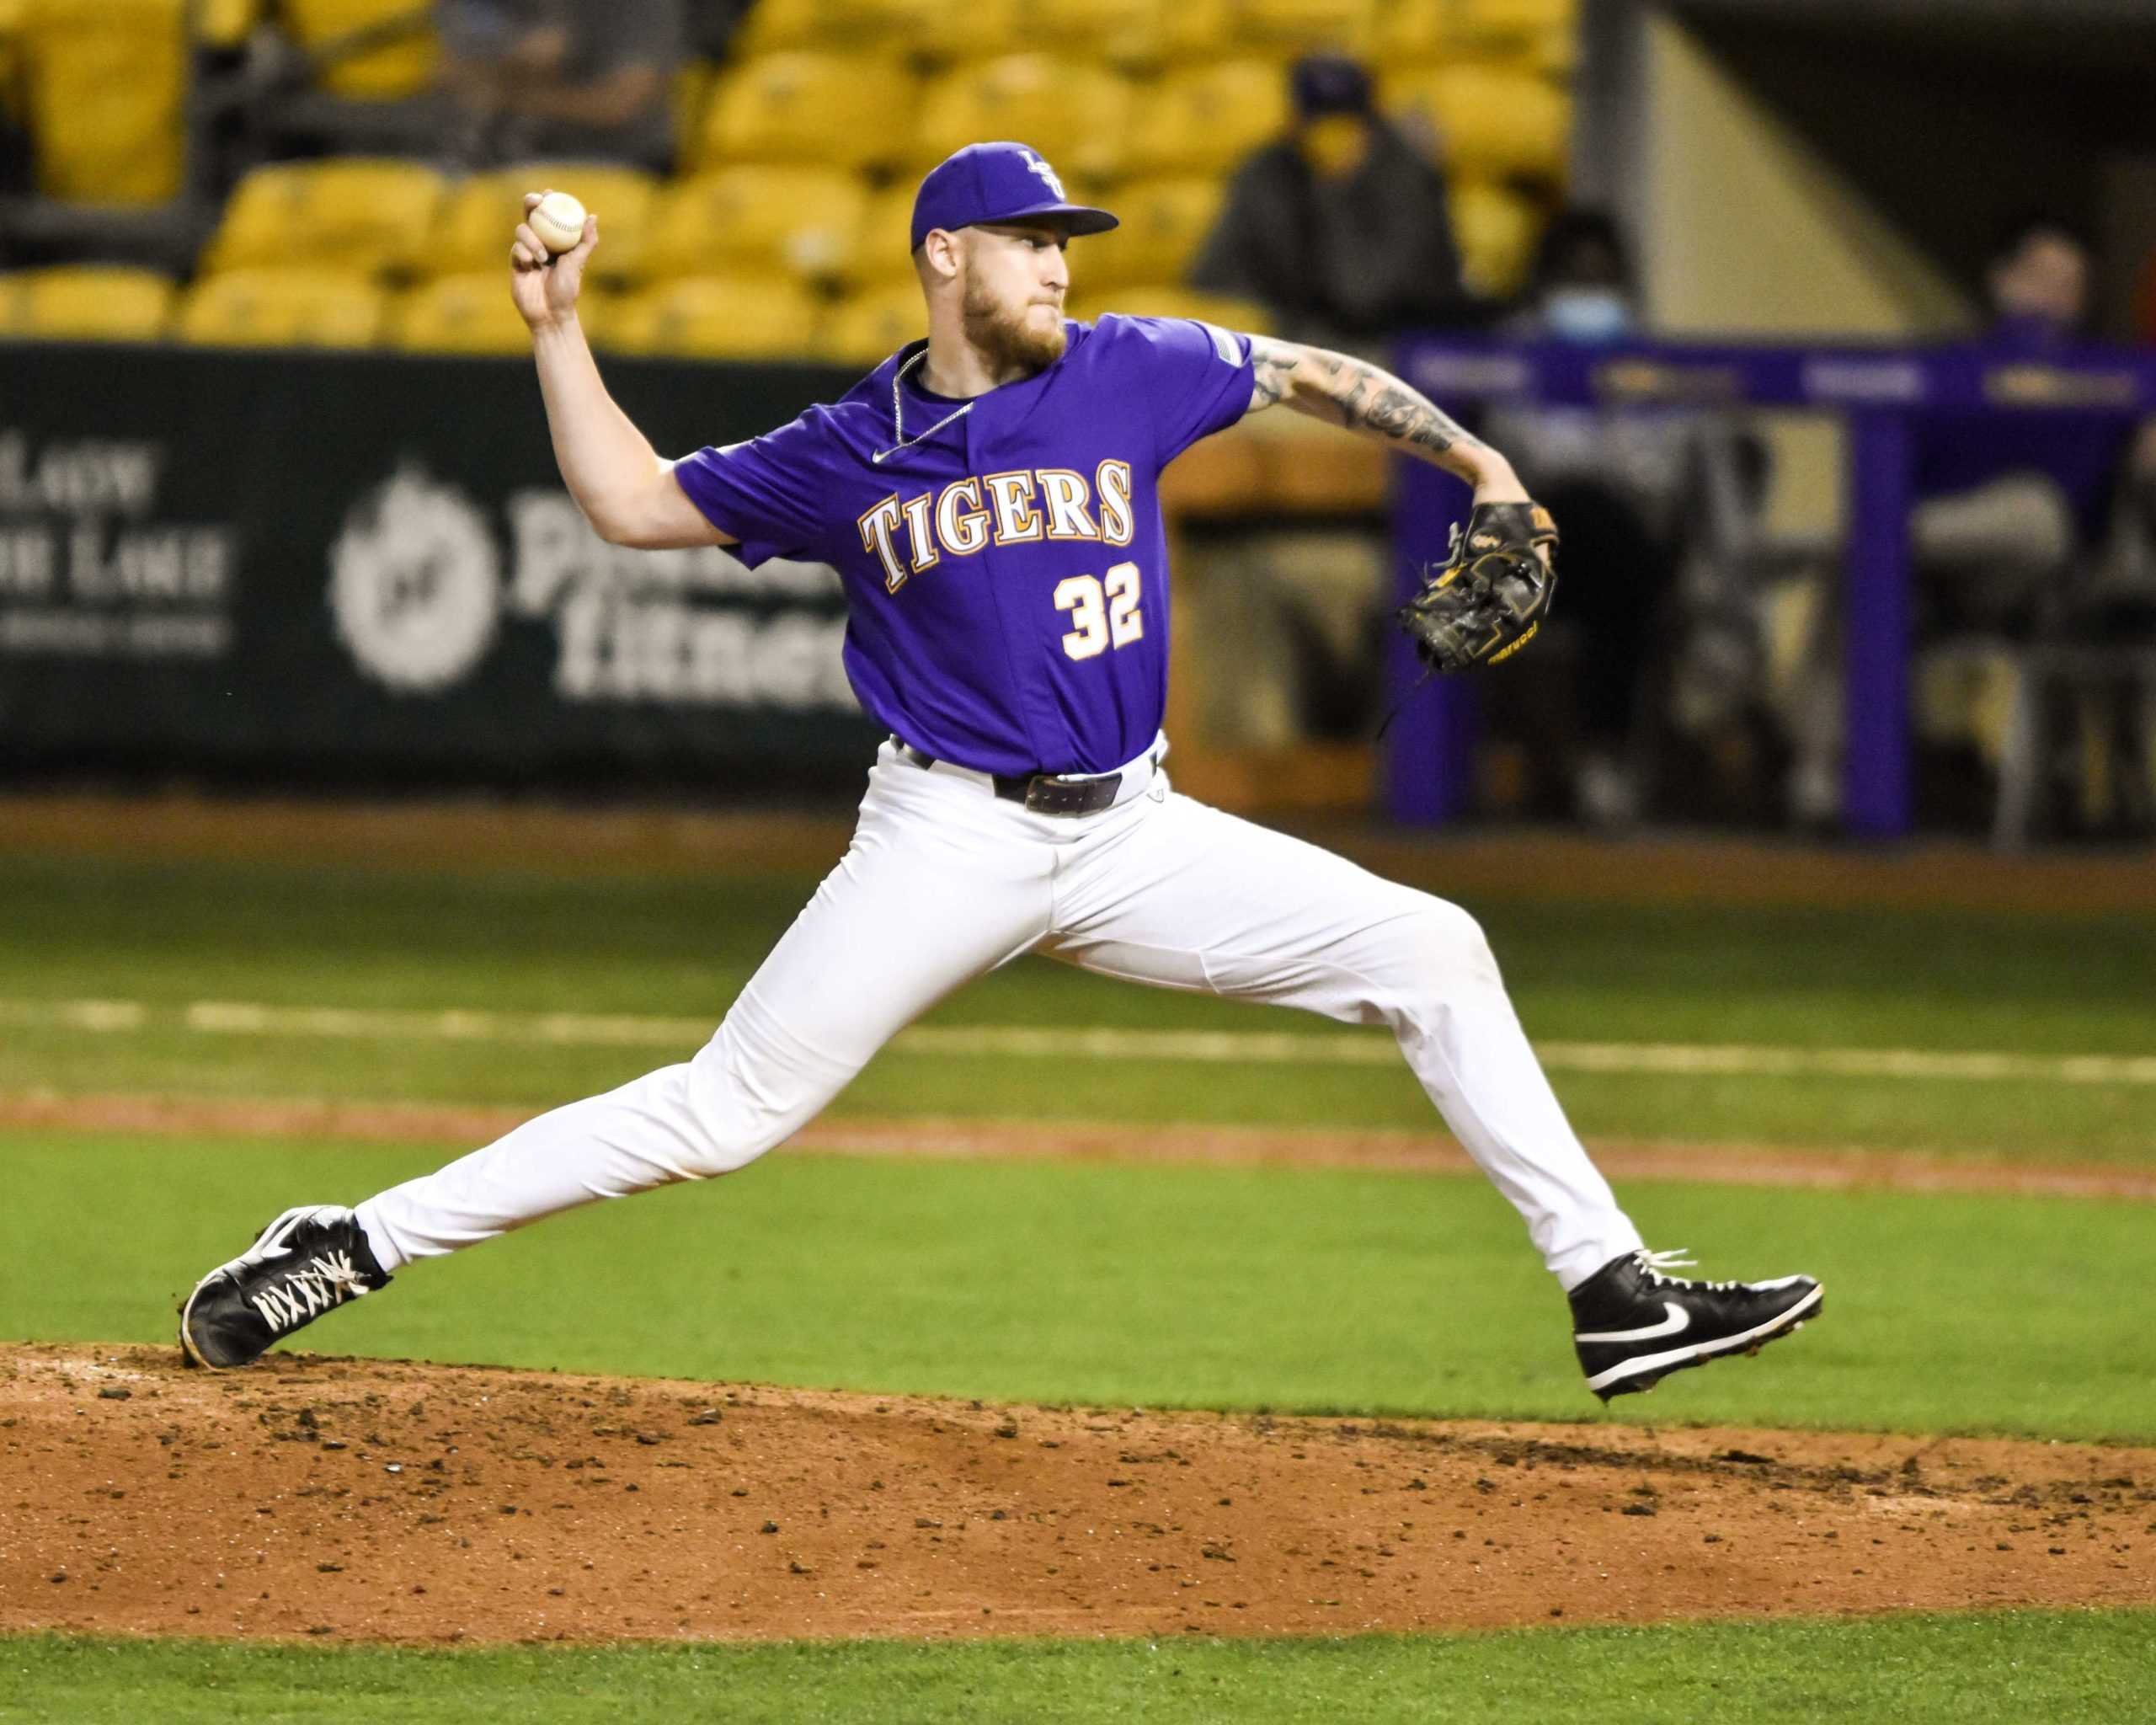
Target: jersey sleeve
{"type": "Point", "coordinates": [1196, 377]}
{"type": "Point", "coordinates": [762, 492]}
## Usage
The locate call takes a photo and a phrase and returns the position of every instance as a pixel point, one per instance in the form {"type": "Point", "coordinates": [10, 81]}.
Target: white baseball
{"type": "Point", "coordinates": [558, 221]}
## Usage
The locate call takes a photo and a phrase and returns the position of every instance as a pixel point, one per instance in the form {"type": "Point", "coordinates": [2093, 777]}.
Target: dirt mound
{"type": "Point", "coordinates": [366, 1500]}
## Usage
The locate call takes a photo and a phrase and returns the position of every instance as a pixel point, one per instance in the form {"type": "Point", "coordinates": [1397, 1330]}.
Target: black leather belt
{"type": "Point", "coordinates": [1042, 792]}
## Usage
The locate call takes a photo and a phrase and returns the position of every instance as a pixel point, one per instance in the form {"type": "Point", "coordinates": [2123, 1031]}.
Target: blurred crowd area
{"type": "Point", "coordinates": [346, 173]}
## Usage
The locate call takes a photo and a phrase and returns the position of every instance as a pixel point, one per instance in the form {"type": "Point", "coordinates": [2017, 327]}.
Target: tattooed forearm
{"type": "Point", "coordinates": [1366, 400]}
{"type": "Point", "coordinates": [1274, 368]}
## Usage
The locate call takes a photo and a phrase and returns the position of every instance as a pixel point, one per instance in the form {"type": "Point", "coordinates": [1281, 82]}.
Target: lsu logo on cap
{"type": "Point", "coordinates": [1034, 164]}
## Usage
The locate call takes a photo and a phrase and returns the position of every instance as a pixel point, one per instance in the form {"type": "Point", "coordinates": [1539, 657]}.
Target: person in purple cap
{"type": "Point", "coordinates": [989, 497]}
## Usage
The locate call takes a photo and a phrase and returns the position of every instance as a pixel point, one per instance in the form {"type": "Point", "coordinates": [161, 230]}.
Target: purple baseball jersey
{"type": "Point", "coordinates": [1005, 572]}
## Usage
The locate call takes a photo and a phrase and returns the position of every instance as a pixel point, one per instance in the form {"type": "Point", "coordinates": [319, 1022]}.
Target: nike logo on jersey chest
{"type": "Point", "coordinates": [963, 518]}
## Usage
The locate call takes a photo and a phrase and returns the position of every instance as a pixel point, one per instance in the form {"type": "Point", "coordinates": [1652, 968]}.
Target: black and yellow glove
{"type": "Point", "coordinates": [1493, 591]}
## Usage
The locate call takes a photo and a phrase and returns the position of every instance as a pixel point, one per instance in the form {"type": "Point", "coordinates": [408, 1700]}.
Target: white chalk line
{"type": "Point", "coordinates": [1201, 1047]}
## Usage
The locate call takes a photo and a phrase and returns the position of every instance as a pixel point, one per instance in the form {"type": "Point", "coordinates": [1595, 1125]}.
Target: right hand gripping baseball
{"type": "Point", "coordinates": [545, 288]}
{"type": "Point", "coordinates": [1493, 591]}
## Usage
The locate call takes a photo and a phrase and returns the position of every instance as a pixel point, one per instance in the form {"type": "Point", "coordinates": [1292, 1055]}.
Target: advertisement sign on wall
{"type": "Point", "coordinates": [357, 565]}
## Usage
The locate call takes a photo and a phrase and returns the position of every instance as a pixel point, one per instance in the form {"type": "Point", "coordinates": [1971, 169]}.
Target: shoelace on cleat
{"type": "Point", "coordinates": [307, 1290]}
{"type": "Point", "coordinates": [1657, 1264]}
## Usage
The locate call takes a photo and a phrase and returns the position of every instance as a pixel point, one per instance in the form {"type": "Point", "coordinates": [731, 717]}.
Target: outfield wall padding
{"type": "Point", "coordinates": [361, 567]}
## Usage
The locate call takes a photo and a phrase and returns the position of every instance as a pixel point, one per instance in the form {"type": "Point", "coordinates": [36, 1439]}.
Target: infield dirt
{"type": "Point", "coordinates": [363, 1500]}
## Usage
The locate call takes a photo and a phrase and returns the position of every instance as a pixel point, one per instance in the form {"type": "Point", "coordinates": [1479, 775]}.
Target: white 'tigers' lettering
{"type": "Point", "coordinates": [1064, 492]}
{"type": "Point", "coordinates": [1112, 480]}
{"type": "Point", "coordinates": [919, 535]}
{"type": "Point", "coordinates": [1022, 507]}
{"type": "Point", "coordinates": [876, 526]}
{"type": "Point", "coordinates": [1017, 522]}
{"type": "Point", "coordinates": [962, 535]}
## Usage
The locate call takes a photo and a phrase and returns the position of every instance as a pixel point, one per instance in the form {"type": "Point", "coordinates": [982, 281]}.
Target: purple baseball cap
{"type": "Point", "coordinates": [998, 182]}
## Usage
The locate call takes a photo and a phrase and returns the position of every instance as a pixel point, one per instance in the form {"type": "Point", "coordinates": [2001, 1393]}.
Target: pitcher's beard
{"type": "Point", "coordinates": [1007, 338]}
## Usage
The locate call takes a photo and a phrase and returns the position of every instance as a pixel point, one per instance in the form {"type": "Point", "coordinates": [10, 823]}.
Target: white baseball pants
{"type": "Point", "coordinates": [944, 882]}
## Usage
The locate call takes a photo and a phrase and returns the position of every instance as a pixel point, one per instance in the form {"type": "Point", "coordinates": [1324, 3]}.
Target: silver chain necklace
{"type": "Point", "coordinates": [897, 414]}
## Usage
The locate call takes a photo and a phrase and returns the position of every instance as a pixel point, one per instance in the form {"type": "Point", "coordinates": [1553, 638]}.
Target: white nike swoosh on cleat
{"type": "Point", "coordinates": [1675, 1324]}
{"type": "Point", "coordinates": [1642, 1365]}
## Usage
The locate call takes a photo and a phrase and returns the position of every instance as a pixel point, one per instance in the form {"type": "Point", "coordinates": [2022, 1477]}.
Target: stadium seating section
{"type": "Point", "coordinates": [784, 231]}
{"type": "Point", "coordinates": [103, 85]}
{"type": "Point", "coordinates": [89, 303]}
{"type": "Point", "coordinates": [282, 307]}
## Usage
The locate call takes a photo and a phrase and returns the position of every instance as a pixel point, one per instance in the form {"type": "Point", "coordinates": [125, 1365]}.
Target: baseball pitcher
{"type": "Point", "coordinates": [989, 496]}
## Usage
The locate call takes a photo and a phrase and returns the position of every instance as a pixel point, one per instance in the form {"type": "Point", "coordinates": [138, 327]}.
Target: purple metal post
{"type": "Point", "coordinates": [1876, 639]}
{"type": "Point", "coordinates": [1429, 747]}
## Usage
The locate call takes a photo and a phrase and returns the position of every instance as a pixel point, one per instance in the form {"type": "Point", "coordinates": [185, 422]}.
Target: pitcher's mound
{"type": "Point", "coordinates": [366, 1500]}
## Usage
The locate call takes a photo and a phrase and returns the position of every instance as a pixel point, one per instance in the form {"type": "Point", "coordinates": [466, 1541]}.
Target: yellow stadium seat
{"type": "Point", "coordinates": [1125, 33]}
{"type": "Point", "coordinates": [1169, 299]}
{"type": "Point", "coordinates": [87, 302]}
{"type": "Point", "coordinates": [760, 317]}
{"type": "Point", "coordinates": [804, 221]}
{"type": "Point", "coordinates": [478, 218]}
{"type": "Point", "coordinates": [1496, 229]}
{"type": "Point", "coordinates": [354, 213]}
{"type": "Point", "coordinates": [105, 81]}
{"type": "Point", "coordinates": [841, 26]}
{"type": "Point", "coordinates": [779, 27]}
{"type": "Point", "coordinates": [405, 64]}
{"type": "Point", "coordinates": [1413, 30]}
{"type": "Point", "coordinates": [1206, 119]}
{"type": "Point", "coordinates": [1552, 53]}
{"type": "Point", "coordinates": [1539, 35]}
{"type": "Point", "coordinates": [1164, 222]}
{"type": "Point", "coordinates": [869, 328]}
{"type": "Point", "coordinates": [1075, 115]}
{"type": "Point", "coordinates": [1197, 30]}
{"type": "Point", "coordinates": [468, 314]}
{"type": "Point", "coordinates": [1490, 22]}
{"type": "Point", "coordinates": [688, 102]}
{"type": "Point", "coordinates": [883, 250]}
{"type": "Point", "coordinates": [978, 29]}
{"type": "Point", "coordinates": [1491, 121]}
{"type": "Point", "coordinates": [282, 308]}
{"type": "Point", "coordinates": [225, 24]}
{"type": "Point", "coordinates": [847, 111]}
{"type": "Point", "coordinates": [1289, 27]}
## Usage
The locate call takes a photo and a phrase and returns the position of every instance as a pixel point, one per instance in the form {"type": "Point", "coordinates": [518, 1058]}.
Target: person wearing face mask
{"type": "Point", "coordinates": [1340, 228]}
{"type": "Point", "coordinates": [1623, 485]}
{"type": "Point", "coordinates": [2006, 502]}
{"type": "Point", "coordinates": [2026, 527]}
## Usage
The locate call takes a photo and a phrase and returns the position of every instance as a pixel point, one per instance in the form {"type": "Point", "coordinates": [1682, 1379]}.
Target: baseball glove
{"type": "Point", "coordinates": [1491, 595]}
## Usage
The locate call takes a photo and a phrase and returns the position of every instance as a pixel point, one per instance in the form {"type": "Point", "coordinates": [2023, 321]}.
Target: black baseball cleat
{"type": "Point", "coordinates": [307, 1262]}
{"type": "Point", "coordinates": [1634, 1324]}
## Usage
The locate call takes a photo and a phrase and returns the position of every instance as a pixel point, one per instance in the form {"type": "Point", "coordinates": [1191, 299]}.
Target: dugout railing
{"type": "Point", "coordinates": [1884, 394]}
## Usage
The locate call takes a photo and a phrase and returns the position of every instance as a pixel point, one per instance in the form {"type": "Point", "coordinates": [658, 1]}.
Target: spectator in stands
{"type": "Point", "coordinates": [1634, 492]}
{"type": "Point", "coordinates": [558, 78]}
{"type": "Point", "coordinates": [1340, 228]}
{"type": "Point", "coordinates": [2029, 526]}
{"type": "Point", "coordinates": [2007, 502]}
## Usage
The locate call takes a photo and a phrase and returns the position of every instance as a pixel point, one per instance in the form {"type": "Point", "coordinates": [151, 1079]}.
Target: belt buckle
{"type": "Point", "coordinates": [1048, 795]}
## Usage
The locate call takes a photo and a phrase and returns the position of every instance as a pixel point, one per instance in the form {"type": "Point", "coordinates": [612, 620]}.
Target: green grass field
{"type": "Point", "coordinates": [1288, 1289]}
{"type": "Point", "coordinates": [524, 942]}
{"type": "Point", "coordinates": [2006, 1669]}
{"type": "Point", "coordinates": [1291, 1289]}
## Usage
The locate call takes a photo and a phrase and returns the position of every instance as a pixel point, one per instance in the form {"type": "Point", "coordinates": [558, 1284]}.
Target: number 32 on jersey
{"type": "Point", "coordinates": [1103, 612]}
